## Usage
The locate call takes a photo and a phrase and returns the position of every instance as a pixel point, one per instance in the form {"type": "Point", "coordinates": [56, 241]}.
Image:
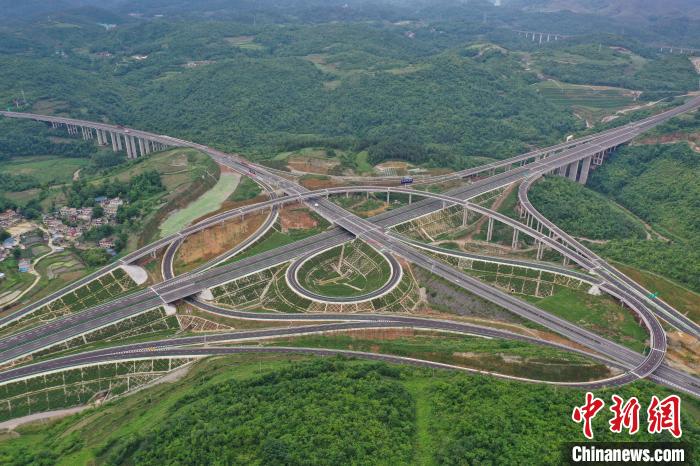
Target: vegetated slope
{"type": "Point", "coordinates": [355, 85]}
{"type": "Point", "coordinates": [649, 9]}
{"type": "Point", "coordinates": [659, 184]}
{"type": "Point", "coordinates": [582, 212]}
{"type": "Point", "coordinates": [328, 412]}
{"type": "Point", "coordinates": [591, 63]}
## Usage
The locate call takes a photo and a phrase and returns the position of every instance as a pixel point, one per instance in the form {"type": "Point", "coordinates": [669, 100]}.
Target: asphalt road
{"type": "Point", "coordinates": [368, 231]}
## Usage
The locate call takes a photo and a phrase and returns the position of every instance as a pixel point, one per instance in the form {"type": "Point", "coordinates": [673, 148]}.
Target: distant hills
{"type": "Point", "coordinates": [641, 9]}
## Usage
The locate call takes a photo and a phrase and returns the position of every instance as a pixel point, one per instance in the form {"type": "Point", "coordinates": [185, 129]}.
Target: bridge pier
{"type": "Point", "coordinates": [540, 250]}
{"type": "Point", "coordinates": [132, 143]}
{"type": "Point", "coordinates": [489, 231]}
{"type": "Point", "coordinates": [141, 147]}
{"type": "Point", "coordinates": [113, 137]}
{"type": "Point", "coordinates": [387, 196]}
{"type": "Point", "coordinates": [147, 143]}
{"type": "Point", "coordinates": [573, 170]}
{"type": "Point", "coordinates": [410, 198]}
{"type": "Point", "coordinates": [129, 153]}
{"type": "Point", "coordinates": [514, 243]}
{"type": "Point", "coordinates": [585, 168]}
{"type": "Point", "coordinates": [465, 217]}
{"type": "Point", "coordinates": [119, 142]}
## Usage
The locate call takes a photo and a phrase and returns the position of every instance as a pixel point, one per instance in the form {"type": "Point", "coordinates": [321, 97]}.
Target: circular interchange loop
{"type": "Point", "coordinates": [293, 282]}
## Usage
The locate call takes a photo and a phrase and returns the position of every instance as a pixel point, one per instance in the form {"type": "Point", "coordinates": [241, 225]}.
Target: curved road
{"type": "Point", "coordinates": [292, 279]}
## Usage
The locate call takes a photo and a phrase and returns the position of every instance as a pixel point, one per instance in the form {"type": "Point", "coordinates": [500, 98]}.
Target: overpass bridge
{"type": "Point", "coordinates": [373, 232]}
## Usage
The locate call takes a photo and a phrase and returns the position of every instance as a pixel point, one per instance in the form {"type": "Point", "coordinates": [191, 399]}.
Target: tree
{"type": "Point", "coordinates": [4, 234]}
{"type": "Point", "coordinates": [95, 257]}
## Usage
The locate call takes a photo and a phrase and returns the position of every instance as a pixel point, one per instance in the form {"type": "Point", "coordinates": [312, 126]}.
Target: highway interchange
{"type": "Point", "coordinates": [526, 168]}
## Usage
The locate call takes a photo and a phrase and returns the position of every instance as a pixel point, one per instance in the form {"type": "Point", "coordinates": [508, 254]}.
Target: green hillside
{"type": "Point", "coordinates": [582, 212]}
{"type": "Point", "coordinates": [324, 412]}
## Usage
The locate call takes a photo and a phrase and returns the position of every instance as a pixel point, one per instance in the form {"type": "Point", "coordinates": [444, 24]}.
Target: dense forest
{"type": "Point", "coordinates": [582, 212]}
{"type": "Point", "coordinates": [656, 182]}
{"type": "Point", "coordinates": [438, 91]}
{"type": "Point", "coordinates": [659, 184]}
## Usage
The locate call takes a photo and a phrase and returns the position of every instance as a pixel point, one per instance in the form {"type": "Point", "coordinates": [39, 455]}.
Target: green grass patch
{"type": "Point", "coordinates": [46, 169]}
{"type": "Point", "coordinates": [361, 271]}
{"type": "Point", "coordinates": [208, 202]}
{"type": "Point", "coordinates": [245, 190]}
{"type": "Point", "coordinates": [600, 314]}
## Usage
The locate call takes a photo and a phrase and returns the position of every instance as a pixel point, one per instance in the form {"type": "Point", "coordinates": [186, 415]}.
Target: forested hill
{"type": "Point", "coordinates": [443, 86]}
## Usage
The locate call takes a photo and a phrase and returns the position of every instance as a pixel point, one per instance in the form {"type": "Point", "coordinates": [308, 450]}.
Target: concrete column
{"type": "Point", "coordinates": [99, 138]}
{"type": "Point", "coordinates": [465, 217]}
{"type": "Point", "coordinates": [114, 142]}
{"type": "Point", "coordinates": [566, 261]}
{"type": "Point", "coordinates": [148, 146]}
{"type": "Point", "coordinates": [141, 147]}
{"type": "Point", "coordinates": [585, 168]}
{"type": "Point", "coordinates": [410, 198]}
{"type": "Point", "coordinates": [387, 196]}
{"type": "Point", "coordinates": [573, 171]}
{"type": "Point", "coordinates": [132, 142]}
{"type": "Point", "coordinates": [129, 153]}
{"type": "Point", "coordinates": [489, 231]}
{"type": "Point", "coordinates": [540, 250]}
{"type": "Point", "coordinates": [514, 243]}
{"type": "Point", "coordinates": [119, 141]}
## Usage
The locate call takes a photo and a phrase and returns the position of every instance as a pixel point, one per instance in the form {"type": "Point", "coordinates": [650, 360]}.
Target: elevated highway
{"type": "Point", "coordinates": [373, 232]}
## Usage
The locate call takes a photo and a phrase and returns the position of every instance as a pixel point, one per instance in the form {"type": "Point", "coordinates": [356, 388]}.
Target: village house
{"type": "Point", "coordinates": [9, 218]}
{"type": "Point", "coordinates": [106, 243]}
{"type": "Point", "coordinates": [111, 206]}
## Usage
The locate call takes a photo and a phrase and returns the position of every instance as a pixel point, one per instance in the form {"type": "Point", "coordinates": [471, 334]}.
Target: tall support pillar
{"type": "Point", "coordinates": [566, 260]}
{"type": "Point", "coordinates": [573, 171]}
{"type": "Point", "coordinates": [113, 136]}
{"type": "Point", "coordinates": [540, 250]}
{"type": "Point", "coordinates": [585, 168]}
{"type": "Point", "coordinates": [127, 145]}
{"type": "Point", "coordinates": [119, 141]}
{"type": "Point", "coordinates": [387, 196]}
{"type": "Point", "coordinates": [410, 198]}
{"type": "Point", "coordinates": [489, 231]}
{"type": "Point", "coordinates": [465, 217]}
{"type": "Point", "coordinates": [514, 243]}
{"type": "Point", "coordinates": [147, 143]}
{"type": "Point", "coordinates": [141, 147]}
{"type": "Point", "coordinates": [132, 142]}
